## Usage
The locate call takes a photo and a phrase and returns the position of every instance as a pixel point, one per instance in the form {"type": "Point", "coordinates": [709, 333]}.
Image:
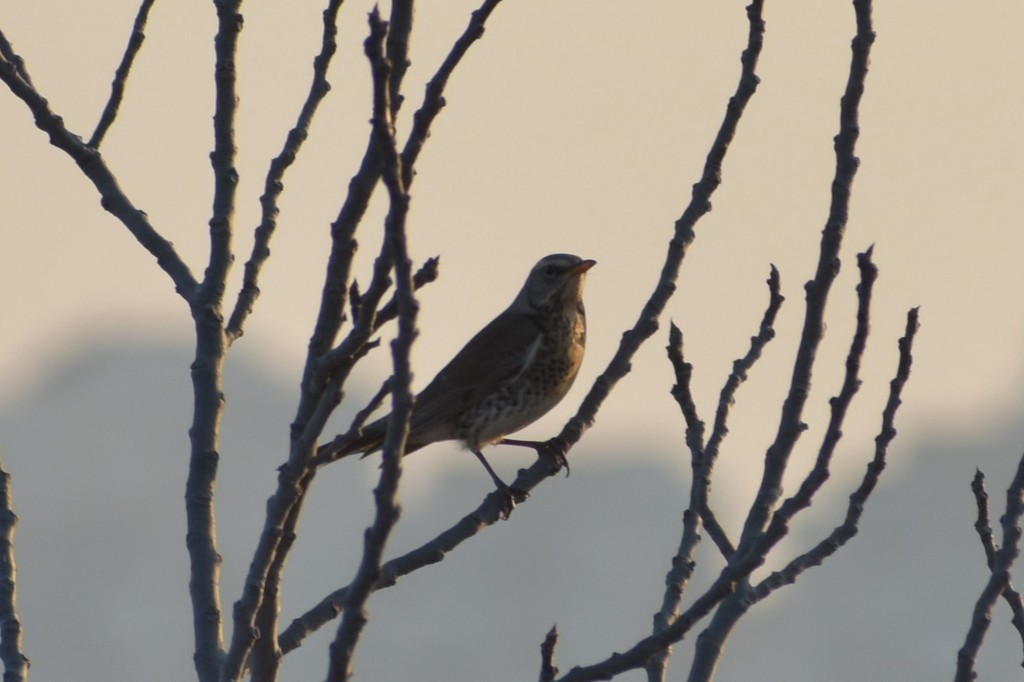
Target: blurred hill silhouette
{"type": "Point", "coordinates": [98, 452]}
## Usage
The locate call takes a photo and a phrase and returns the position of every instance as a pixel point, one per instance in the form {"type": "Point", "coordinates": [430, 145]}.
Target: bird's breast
{"type": "Point", "coordinates": [530, 395]}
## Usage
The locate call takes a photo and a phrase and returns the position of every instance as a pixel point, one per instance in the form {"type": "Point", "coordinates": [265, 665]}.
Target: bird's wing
{"type": "Point", "coordinates": [501, 351]}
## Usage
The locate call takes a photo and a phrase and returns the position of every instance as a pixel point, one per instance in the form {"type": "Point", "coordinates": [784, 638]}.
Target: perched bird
{"type": "Point", "coordinates": [508, 376]}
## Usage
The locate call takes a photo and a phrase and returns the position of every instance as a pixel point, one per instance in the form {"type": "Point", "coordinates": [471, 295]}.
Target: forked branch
{"type": "Point", "coordinates": [999, 578]}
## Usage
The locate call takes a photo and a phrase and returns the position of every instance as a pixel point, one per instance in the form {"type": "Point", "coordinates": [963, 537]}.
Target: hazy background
{"type": "Point", "coordinates": [571, 126]}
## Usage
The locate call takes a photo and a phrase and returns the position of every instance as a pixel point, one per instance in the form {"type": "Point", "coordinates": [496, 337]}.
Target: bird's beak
{"type": "Point", "coordinates": [582, 267]}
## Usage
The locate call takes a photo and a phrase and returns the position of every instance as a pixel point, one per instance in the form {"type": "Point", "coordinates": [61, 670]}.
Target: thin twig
{"type": "Point", "coordinates": [999, 578]}
{"type": "Point", "coordinates": [386, 493]}
{"type": "Point", "coordinates": [14, 59]}
{"type": "Point", "coordinates": [741, 367]}
{"type": "Point", "coordinates": [425, 275]}
{"type": "Point", "coordinates": [700, 204]}
{"type": "Point", "coordinates": [548, 669]}
{"type": "Point", "coordinates": [683, 563]}
{"type": "Point", "coordinates": [274, 185]}
{"type": "Point", "coordinates": [397, 50]}
{"type": "Point", "coordinates": [433, 100]}
{"type": "Point", "coordinates": [121, 75]}
{"type": "Point", "coordinates": [982, 525]}
{"type": "Point", "coordinates": [694, 436]}
{"type": "Point", "coordinates": [684, 397]}
{"type": "Point", "coordinates": [12, 651]}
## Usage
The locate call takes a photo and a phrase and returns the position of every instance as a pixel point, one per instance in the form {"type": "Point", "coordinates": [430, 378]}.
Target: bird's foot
{"type": "Point", "coordinates": [509, 496]}
{"type": "Point", "coordinates": [554, 449]}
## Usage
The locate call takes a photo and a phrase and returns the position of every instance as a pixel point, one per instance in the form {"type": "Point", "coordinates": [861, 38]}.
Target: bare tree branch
{"type": "Point", "coordinates": [211, 346]}
{"type": "Point", "coordinates": [754, 540]}
{"type": "Point", "coordinates": [845, 532]}
{"type": "Point", "coordinates": [121, 75]}
{"type": "Point", "coordinates": [265, 660]}
{"type": "Point", "coordinates": [386, 493]}
{"type": "Point", "coordinates": [490, 510]}
{"type": "Point", "coordinates": [702, 465]}
{"type": "Point", "coordinates": [839, 404]}
{"type": "Point", "coordinates": [740, 565]}
{"type": "Point", "coordinates": [205, 303]}
{"type": "Point", "coordinates": [330, 607]}
{"type": "Point", "coordinates": [276, 539]}
{"type": "Point", "coordinates": [325, 370]}
{"type": "Point", "coordinates": [112, 198]}
{"type": "Point", "coordinates": [726, 399]}
{"type": "Point", "coordinates": [12, 653]}
{"type": "Point", "coordinates": [339, 265]}
{"type": "Point", "coordinates": [274, 185]}
{"type": "Point", "coordinates": [638, 655]}
{"type": "Point", "coordinates": [998, 580]}
{"type": "Point", "coordinates": [1010, 594]}
{"type": "Point", "coordinates": [433, 100]}
{"type": "Point", "coordinates": [791, 425]}
{"type": "Point", "coordinates": [321, 361]}
{"type": "Point", "coordinates": [255, 643]}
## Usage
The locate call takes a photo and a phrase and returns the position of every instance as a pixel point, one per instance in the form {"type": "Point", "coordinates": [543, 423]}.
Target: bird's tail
{"type": "Point", "coordinates": [365, 441]}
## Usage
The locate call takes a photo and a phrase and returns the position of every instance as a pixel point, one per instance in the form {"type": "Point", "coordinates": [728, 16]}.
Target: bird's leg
{"type": "Point", "coordinates": [508, 493]}
{"type": "Point", "coordinates": [554, 448]}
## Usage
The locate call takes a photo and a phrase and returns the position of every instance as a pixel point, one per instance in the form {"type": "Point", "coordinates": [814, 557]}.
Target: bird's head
{"type": "Point", "coordinates": [555, 280]}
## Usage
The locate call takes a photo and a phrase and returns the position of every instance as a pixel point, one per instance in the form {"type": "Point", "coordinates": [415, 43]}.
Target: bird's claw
{"type": "Point", "coordinates": [556, 449]}
{"type": "Point", "coordinates": [509, 496]}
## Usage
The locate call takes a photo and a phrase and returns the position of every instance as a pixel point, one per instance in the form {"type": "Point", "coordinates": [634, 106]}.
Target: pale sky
{"type": "Point", "coordinates": [574, 126]}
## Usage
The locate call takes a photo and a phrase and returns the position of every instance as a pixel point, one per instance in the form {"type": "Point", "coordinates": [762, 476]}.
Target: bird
{"type": "Point", "coordinates": [512, 373]}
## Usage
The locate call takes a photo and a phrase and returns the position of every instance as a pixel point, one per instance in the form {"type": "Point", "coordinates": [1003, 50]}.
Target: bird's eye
{"type": "Point", "coordinates": [550, 271]}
